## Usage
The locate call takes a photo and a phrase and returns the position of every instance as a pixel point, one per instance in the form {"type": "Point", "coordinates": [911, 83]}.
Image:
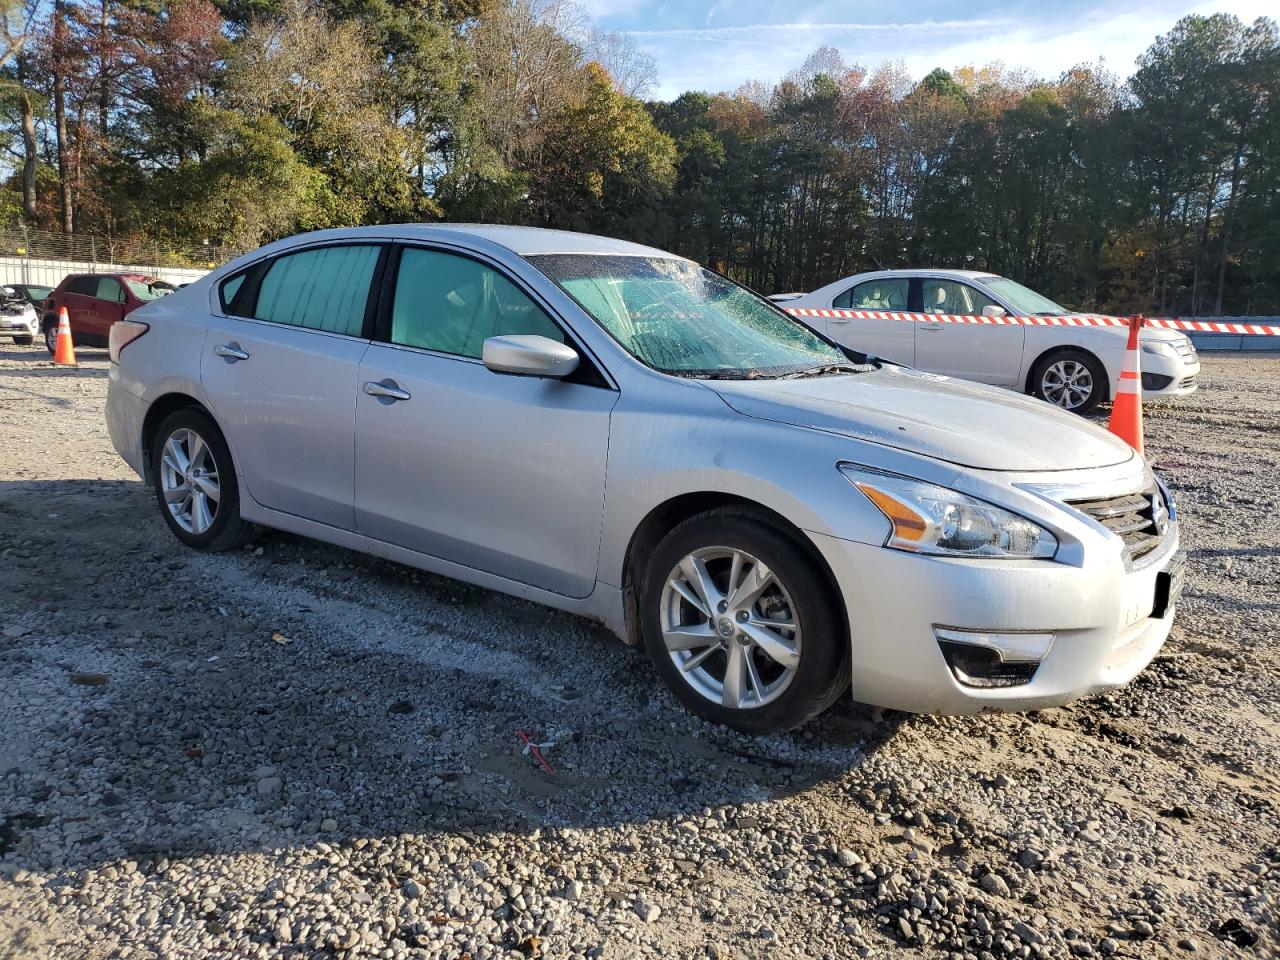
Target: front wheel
{"type": "Point", "coordinates": [51, 337]}
{"type": "Point", "coordinates": [1075, 380]}
{"type": "Point", "coordinates": [741, 624]}
{"type": "Point", "coordinates": [195, 483]}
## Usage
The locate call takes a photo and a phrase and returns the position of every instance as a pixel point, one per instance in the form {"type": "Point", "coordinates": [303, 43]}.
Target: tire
{"type": "Point", "coordinates": [212, 461]}
{"type": "Point", "coordinates": [51, 336]}
{"type": "Point", "coordinates": [1057, 377]}
{"type": "Point", "coordinates": [24, 341]}
{"type": "Point", "coordinates": [775, 697]}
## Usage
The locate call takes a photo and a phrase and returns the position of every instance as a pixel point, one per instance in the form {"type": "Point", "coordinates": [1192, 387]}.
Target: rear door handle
{"type": "Point", "coordinates": [230, 352]}
{"type": "Point", "coordinates": [387, 391]}
{"type": "Point", "coordinates": [931, 327]}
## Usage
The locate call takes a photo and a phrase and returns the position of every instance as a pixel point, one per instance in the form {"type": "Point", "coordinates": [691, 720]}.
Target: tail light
{"type": "Point", "coordinates": [123, 333]}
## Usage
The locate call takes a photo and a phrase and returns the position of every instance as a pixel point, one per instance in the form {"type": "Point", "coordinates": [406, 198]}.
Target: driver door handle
{"type": "Point", "coordinates": [388, 389]}
{"type": "Point", "coordinates": [230, 352]}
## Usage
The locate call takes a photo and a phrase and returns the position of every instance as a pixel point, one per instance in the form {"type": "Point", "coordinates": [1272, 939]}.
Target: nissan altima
{"type": "Point", "coordinates": [617, 432]}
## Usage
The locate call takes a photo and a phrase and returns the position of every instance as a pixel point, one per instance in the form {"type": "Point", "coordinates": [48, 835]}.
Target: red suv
{"type": "Point", "coordinates": [95, 301]}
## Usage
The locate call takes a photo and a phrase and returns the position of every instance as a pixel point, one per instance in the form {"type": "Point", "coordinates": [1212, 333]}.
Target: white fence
{"type": "Point", "coordinates": [49, 273]}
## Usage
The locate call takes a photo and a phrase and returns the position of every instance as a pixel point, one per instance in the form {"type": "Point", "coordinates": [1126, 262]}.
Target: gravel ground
{"type": "Point", "coordinates": [298, 751]}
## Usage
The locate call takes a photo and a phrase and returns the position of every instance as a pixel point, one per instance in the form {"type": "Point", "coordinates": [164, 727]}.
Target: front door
{"type": "Point", "coordinates": [499, 473]}
{"type": "Point", "coordinates": [986, 352]}
{"type": "Point", "coordinates": [282, 378]}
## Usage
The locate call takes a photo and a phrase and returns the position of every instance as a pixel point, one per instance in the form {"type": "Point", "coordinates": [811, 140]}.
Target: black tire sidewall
{"type": "Point", "coordinates": [51, 329]}
{"type": "Point", "coordinates": [1101, 382]}
{"type": "Point", "coordinates": [226, 528]}
{"type": "Point", "coordinates": [824, 655]}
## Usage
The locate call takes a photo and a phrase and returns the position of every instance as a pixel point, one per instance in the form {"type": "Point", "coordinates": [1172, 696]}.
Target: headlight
{"type": "Point", "coordinates": [1157, 347]}
{"type": "Point", "coordinates": [925, 518]}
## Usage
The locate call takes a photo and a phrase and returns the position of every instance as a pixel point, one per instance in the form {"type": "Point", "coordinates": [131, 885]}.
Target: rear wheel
{"type": "Point", "coordinates": [741, 626]}
{"type": "Point", "coordinates": [1075, 380]}
{"type": "Point", "coordinates": [195, 483]}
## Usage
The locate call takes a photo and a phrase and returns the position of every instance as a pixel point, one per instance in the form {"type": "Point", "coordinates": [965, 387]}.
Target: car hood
{"type": "Point", "coordinates": [967, 424]}
{"type": "Point", "coordinates": [1149, 334]}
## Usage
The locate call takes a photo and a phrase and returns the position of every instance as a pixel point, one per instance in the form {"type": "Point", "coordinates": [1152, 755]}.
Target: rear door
{"type": "Point", "coordinates": [495, 472]}
{"type": "Point", "coordinates": [893, 339]}
{"type": "Point", "coordinates": [986, 352]}
{"type": "Point", "coordinates": [78, 296]}
{"type": "Point", "coordinates": [280, 365]}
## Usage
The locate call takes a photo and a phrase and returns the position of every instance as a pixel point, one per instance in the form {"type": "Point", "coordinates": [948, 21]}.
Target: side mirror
{"type": "Point", "coordinates": [991, 310]}
{"type": "Point", "coordinates": [529, 355]}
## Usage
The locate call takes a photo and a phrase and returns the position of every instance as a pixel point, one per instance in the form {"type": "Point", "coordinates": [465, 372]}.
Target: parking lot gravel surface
{"type": "Point", "coordinates": [293, 750]}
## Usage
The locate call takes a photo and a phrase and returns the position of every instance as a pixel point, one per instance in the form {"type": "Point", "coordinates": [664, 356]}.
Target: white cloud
{"type": "Point", "coordinates": [721, 58]}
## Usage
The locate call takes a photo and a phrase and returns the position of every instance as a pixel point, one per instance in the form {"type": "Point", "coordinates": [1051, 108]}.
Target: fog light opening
{"type": "Point", "coordinates": [979, 659]}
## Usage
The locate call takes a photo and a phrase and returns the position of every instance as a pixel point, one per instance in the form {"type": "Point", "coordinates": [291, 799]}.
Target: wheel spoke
{"type": "Point", "coordinates": [734, 676]}
{"type": "Point", "coordinates": [696, 660]}
{"type": "Point", "coordinates": [177, 494]}
{"type": "Point", "coordinates": [753, 584]}
{"type": "Point", "coordinates": [695, 572]}
{"type": "Point", "coordinates": [777, 648]}
{"type": "Point", "coordinates": [201, 517]}
{"type": "Point", "coordinates": [753, 676]}
{"type": "Point", "coordinates": [195, 448]}
{"type": "Point", "coordinates": [690, 595]}
{"type": "Point", "coordinates": [180, 458]}
{"type": "Point", "coordinates": [208, 485]}
{"type": "Point", "coordinates": [693, 637]}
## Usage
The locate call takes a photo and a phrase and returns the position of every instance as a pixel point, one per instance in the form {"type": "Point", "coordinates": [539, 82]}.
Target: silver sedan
{"type": "Point", "coordinates": [618, 432]}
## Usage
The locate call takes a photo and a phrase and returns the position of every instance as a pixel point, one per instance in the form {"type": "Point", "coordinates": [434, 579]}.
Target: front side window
{"type": "Point", "coordinates": [680, 318]}
{"type": "Point", "coordinates": [323, 289]}
{"type": "Point", "coordinates": [452, 304]}
{"type": "Point", "coordinates": [955, 298]}
{"type": "Point", "coordinates": [886, 294]}
{"type": "Point", "coordinates": [109, 289]}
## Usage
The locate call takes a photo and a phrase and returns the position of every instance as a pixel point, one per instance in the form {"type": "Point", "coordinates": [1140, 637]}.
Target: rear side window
{"type": "Point", "coordinates": [85, 286]}
{"type": "Point", "coordinates": [888, 294]}
{"type": "Point", "coordinates": [324, 289]}
{"type": "Point", "coordinates": [953, 297]}
{"type": "Point", "coordinates": [227, 291]}
{"type": "Point", "coordinates": [452, 304]}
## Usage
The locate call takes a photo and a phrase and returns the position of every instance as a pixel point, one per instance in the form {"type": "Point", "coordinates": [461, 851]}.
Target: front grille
{"type": "Point", "coordinates": [1139, 519]}
{"type": "Point", "coordinates": [1187, 382]}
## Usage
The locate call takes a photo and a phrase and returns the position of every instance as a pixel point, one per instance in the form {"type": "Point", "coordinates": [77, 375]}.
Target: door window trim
{"type": "Point", "coordinates": [246, 297]}
{"type": "Point", "coordinates": [590, 371]}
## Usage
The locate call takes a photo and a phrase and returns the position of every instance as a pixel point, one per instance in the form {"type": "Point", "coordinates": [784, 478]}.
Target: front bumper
{"type": "Point", "coordinates": [1166, 377]}
{"type": "Point", "coordinates": [1099, 614]}
{"type": "Point", "coordinates": [19, 326]}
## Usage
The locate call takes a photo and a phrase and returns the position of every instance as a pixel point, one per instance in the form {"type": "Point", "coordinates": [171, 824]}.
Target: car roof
{"type": "Point", "coordinates": [523, 241]}
{"type": "Point", "coordinates": [927, 272]}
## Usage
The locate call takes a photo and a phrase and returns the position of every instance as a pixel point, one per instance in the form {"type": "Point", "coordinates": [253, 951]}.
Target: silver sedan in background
{"type": "Point", "coordinates": [618, 432]}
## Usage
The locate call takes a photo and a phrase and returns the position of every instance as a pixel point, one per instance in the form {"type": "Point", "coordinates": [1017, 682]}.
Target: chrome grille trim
{"type": "Point", "coordinates": [1138, 519]}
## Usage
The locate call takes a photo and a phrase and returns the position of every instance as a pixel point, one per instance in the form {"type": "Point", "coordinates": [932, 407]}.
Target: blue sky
{"type": "Point", "coordinates": [715, 45]}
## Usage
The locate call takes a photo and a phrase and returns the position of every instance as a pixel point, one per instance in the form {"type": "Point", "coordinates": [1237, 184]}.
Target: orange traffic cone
{"type": "Point", "coordinates": [64, 353]}
{"type": "Point", "coordinates": [1126, 411]}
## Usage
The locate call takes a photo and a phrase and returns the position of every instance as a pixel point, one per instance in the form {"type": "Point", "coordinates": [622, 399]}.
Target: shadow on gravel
{"type": "Point", "coordinates": [174, 703]}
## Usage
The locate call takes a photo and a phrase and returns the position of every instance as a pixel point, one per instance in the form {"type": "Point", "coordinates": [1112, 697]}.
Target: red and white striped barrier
{"type": "Point", "coordinates": [1080, 320]}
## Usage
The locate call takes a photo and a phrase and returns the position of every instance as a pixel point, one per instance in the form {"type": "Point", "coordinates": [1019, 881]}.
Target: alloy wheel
{"type": "Point", "coordinates": [1067, 383]}
{"type": "Point", "coordinates": [189, 480]}
{"type": "Point", "coordinates": [730, 627]}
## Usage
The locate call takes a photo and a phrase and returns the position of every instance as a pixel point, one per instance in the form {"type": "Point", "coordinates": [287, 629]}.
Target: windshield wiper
{"type": "Point", "coordinates": [828, 368]}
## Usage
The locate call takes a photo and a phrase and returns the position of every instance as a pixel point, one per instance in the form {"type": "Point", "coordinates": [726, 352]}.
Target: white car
{"type": "Point", "coordinates": [1074, 367]}
{"type": "Point", "coordinates": [17, 317]}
